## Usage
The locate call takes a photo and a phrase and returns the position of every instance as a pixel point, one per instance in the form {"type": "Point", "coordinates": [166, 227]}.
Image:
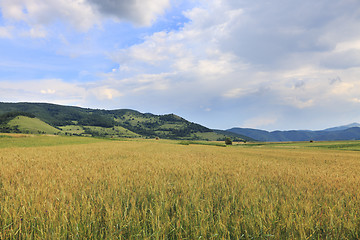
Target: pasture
{"type": "Point", "coordinates": [85, 188]}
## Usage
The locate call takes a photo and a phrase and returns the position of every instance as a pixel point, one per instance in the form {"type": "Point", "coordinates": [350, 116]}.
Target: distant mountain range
{"type": "Point", "coordinates": [352, 125]}
{"type": "Point", "coordinates": [346, 132]}
{"type": "Point", "coordinates": [45, 118]}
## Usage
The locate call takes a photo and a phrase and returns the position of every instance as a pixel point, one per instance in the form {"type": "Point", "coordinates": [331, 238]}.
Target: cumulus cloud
{"type": "Point", "coordinates": [39, 13]}
{"type": "Point", "coordinates": [81, 14]}
{"type": "Point", "coordinates": [267, 32]}
{"type": "Point", "coordinates": [277, 54]}
{"type": "Point", "coordinates": [140, 12]}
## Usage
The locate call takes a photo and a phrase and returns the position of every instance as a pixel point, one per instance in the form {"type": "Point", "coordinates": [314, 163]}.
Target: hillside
{"type": "Point", "coordinates": [31, 125]}
{"type": "Point", "coordinates": [337, 133]}
{"type": "Point", "coordinates": [70, 120]}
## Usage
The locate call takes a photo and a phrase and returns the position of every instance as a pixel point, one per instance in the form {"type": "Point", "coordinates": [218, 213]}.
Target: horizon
{"type": "Point", "coordinates": [112, 109]}
{"type": "Point", "coordinates": [220, 63]}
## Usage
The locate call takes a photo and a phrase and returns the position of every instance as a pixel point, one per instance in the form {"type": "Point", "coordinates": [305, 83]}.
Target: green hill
{"type": "Point", "coordinates": [32, 125]}
{"type": "Point", "coordinates": [70, 120]}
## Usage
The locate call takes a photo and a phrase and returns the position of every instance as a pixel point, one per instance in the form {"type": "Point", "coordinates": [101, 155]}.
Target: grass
{"type": "Point", "coordinates": [211, 136]}
{"type": "Point", "coordinates": [208, 143]}
{"type": "Point", "coordinates": [72, 129]}
{"type": "Point", "coordinates": [343, 145]}
{"type": "Point", "coordinates": [334, 145]}
{"type": "Point", "coordinates": [148, 189]}
{"type": "Point", "coordinates": [32, 125]}
{"type": "Point", "coordinates": [114, 131]}
{"type": "Point", "coordinates": [5, 136]}
{"type": "Point", "coordinates": [27, 140]}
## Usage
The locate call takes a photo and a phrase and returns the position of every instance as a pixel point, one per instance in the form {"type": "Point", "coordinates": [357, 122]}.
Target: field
{"type": "Point", "coordinates": [84, 188]}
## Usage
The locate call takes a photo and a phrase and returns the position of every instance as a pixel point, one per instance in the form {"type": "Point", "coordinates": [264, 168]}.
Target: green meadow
{"type": "Point", "coordinates": [32, 125]}
{"type": "Point", "coordinates": [58, 187]}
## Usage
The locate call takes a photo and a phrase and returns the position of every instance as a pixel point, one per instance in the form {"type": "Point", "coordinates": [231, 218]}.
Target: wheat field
{"type": "Point", "coordinates": [163, 190]}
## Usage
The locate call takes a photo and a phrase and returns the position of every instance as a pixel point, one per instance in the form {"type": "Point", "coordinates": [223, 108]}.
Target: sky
{"type": "Point", "coordinates": [272, 65]}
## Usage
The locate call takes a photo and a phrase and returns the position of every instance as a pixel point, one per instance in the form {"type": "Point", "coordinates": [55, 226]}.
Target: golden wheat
{"type": "Point", "coordinates": [161, 190]}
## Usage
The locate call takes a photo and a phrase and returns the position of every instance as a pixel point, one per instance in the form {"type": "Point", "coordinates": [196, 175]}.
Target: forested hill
{"type": "Point", "coordinates": [96, 122]}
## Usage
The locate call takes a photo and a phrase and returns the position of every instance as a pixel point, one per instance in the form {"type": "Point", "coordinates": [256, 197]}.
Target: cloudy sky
{"type": "Point", "coordinates": [264, 64]}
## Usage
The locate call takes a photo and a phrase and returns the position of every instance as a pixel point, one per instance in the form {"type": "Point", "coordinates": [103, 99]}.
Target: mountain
{"type": "Point", "coordinates": [68, 120]}
{"type": "Point", "coordinates": [348, 132]}
{"type": "Point", "coordinates": [234, 135]}
{"type": "Point", "coordinates": [343, 127]}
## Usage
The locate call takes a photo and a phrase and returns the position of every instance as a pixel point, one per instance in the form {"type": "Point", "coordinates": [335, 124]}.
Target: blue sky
{"type": "Point", "coordinates": [221, 63]}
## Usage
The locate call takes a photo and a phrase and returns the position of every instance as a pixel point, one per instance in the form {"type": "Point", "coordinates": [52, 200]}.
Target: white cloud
{"type": "Point", "coordinates": [216, 64]}
{"type": "Point", "coordinates": [347, 45]}
{"type": "Point", "coordinates": [343, 88]}
{"type": "Point", "coordinates": [105, 93]}
{"type": "Point", "coordinates": [151, 51]}
{"type": "Point", "coordinates": [6, 32]}
{"type": "Point", "coordinates": [45, 86]}
{"type": "Point", "coordinates": [299, 103]}
{"type": "Point", "coordinates": [41, 13]}
{"type": "Point", "coordinates": [48, 91]}
{"type": "Point", "coordinates": [355, 100]}
{"type": "Point", "coordinates": [81, 14]}
{"type": "Point", "coordinates": [269, 32]}
{"type": "Point", "coordinates": [139, 84]}
{"type": "Point", "coordinates": [44, 90]}
{"type": "Point", "coordinates": [259, 122]}
{"type": "Point", "coordinates": [190, 56]}
{"type": "Point", "coordinates": [236, 93]}
{"type": "Point", "coordinates": [37, 32]}
{"type": "Point", "coordinates": [56, 91]}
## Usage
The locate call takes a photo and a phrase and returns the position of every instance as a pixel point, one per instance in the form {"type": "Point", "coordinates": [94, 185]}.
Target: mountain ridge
{"type": "Point", "coordinates": [343, 127]}
{"type": "Point", "coordinates": [345, 132]}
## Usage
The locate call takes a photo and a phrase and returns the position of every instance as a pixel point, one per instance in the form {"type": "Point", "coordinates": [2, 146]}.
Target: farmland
{"type": "Point", "coordinates": [57, 187]}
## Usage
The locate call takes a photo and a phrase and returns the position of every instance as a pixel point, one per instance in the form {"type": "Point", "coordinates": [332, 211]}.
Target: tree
{"type": "Point", "coordinates": [228, 141]}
